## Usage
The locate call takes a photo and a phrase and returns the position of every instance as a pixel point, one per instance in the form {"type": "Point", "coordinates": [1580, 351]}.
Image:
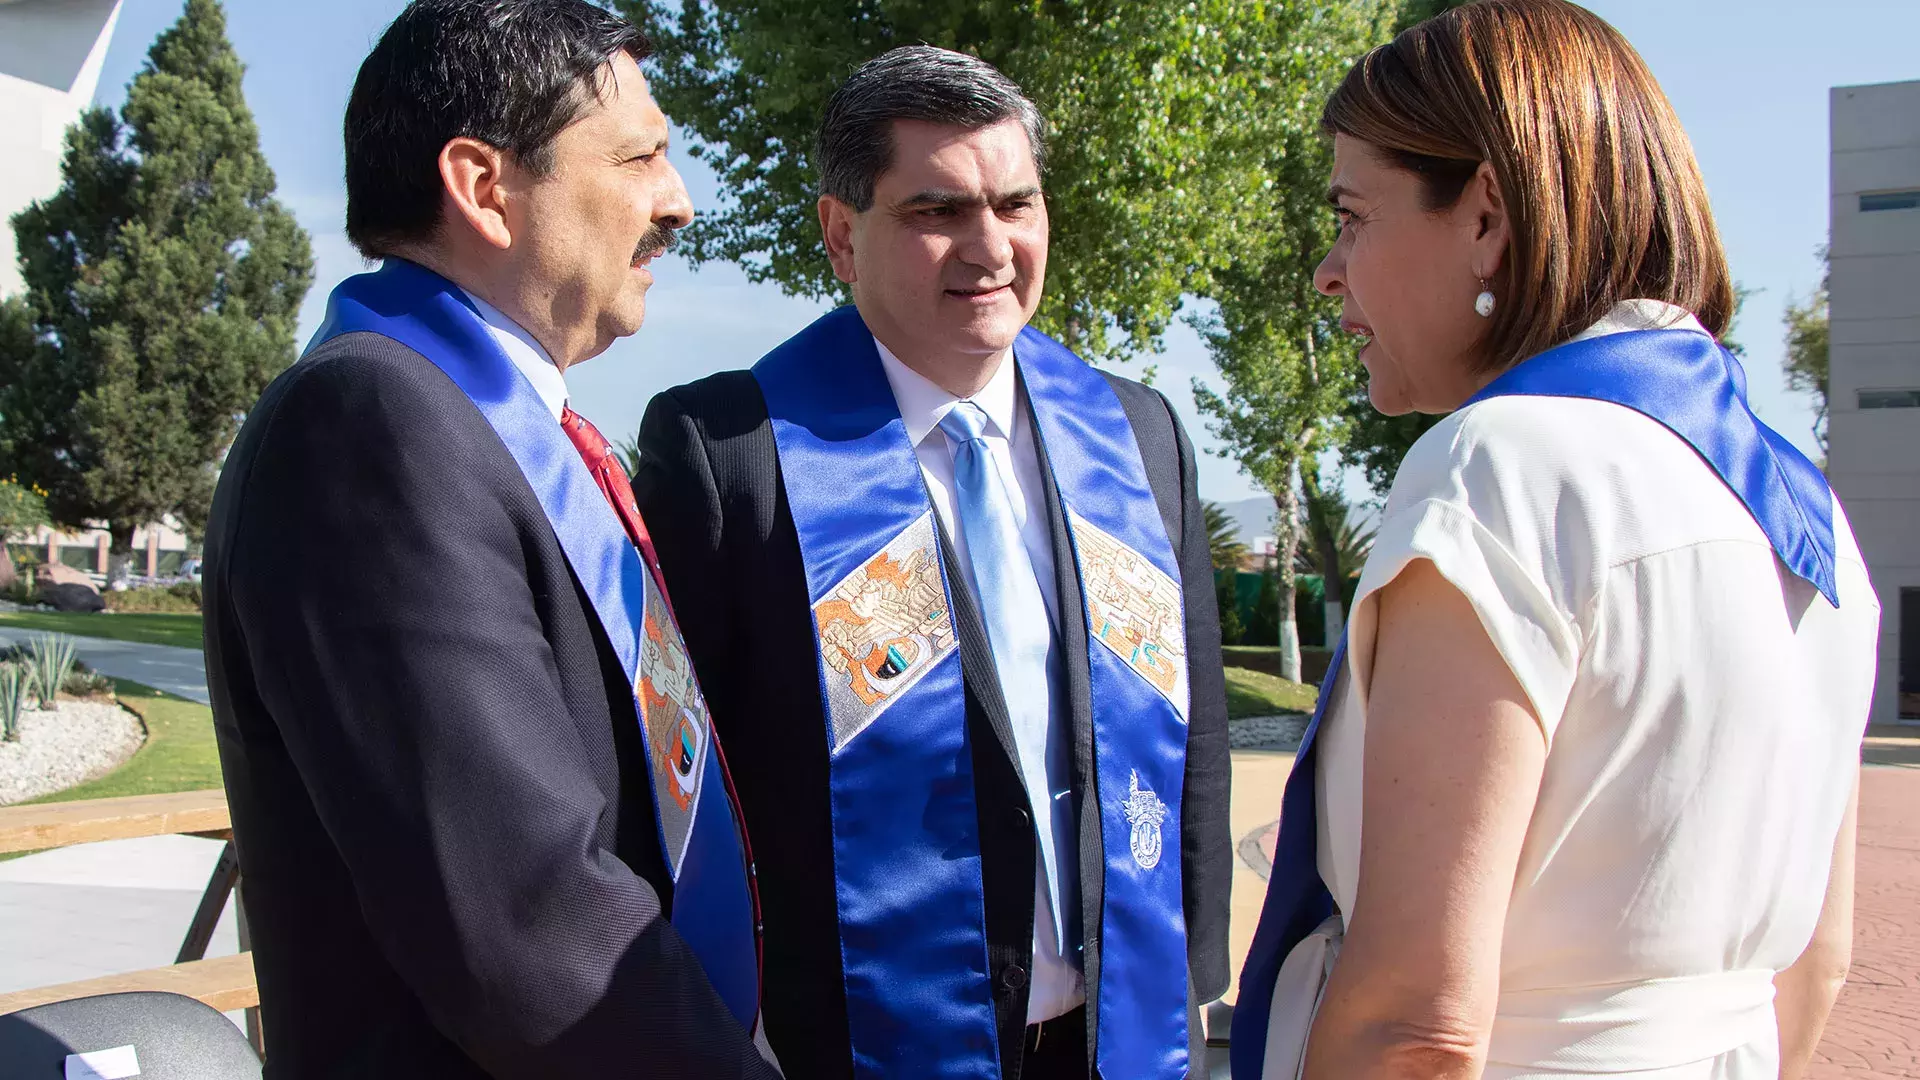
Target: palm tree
{"type": "Point", "coordinates": [629, 451]}
{"type": "Point", "coordinates": [1223, 537]}
{"type": "Point", "coordinates": [1352, 538]}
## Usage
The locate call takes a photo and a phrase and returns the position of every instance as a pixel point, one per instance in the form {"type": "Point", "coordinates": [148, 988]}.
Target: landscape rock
{"type": "Point", "coordinates": [71, 597]}
{"type": "Point", "coordinates": [62, 574]}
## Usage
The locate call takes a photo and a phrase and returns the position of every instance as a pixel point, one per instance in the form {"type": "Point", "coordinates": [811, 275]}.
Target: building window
{"type": "Point", "coordinates": [1890, 399]}
{"type": "Point", "coordinates": [1890, 200]}
{"type": "Point", "coordinates": [1909, 705]}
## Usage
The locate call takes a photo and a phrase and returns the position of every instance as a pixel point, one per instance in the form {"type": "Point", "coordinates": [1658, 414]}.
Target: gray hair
{"type": "Point", "coordinates": [914, 82]}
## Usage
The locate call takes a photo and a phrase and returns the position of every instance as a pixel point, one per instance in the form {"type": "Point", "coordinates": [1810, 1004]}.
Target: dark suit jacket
{"type": "Point", "coordinates": [446, 834]}
{"type": "Point", "coordinates": [709, 486]}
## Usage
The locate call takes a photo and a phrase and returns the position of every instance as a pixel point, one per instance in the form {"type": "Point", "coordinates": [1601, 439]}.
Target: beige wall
{"type": "Point", "coordinates": [51, 52]}
{"type": "Point", "coordinates": [1874, 454]}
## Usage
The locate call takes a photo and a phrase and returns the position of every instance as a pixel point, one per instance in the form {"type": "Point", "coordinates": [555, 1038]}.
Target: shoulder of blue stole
{"type": "Point", "coordinates": [799, 383]}
{"type": "Point", "coordinates": [1689, 383]}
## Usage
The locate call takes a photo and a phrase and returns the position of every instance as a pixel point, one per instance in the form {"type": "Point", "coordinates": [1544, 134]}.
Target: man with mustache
{"type": "Point", "coordinates": [957, 607]}
{"type": "Point", "coordinates": [483, 822]}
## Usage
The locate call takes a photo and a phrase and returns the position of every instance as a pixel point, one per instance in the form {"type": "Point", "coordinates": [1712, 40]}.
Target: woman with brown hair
{"type": "Point", "coordinates": [1579, 797]}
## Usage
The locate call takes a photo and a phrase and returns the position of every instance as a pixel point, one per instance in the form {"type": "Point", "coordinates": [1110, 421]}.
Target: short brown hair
{"type": "Point", "coordinates": [1603, 194]}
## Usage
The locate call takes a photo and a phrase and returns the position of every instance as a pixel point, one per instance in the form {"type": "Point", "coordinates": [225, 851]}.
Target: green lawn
{"type": "Point", "coordinates": [1255, 693]}
{"type": "Point", "coordinates": [1313, 660]}
{"type": "Point", "coordinates": [179, 754]}
{"type": "Point", "coordinates": [181, 630]}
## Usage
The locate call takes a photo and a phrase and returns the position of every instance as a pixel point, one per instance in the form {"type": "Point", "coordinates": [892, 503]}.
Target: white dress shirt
{"type": "Point", "coordinates": [1057, 986]}
{"type": "Point", "coordinates": [526, 354]}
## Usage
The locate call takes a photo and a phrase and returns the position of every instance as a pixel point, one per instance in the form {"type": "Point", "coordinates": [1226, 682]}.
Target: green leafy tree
{"type": "Point", "coordinates": [1418, 11]}
{"type": "Point", "coordinates": [23, 509]}
{"type": "Point", "coordinates": [1285, 367]}
{"type": "Point", "coordinates": [1806, 360]}
{"type": "Point", "coordinates": [163, 286]}
{"type": "Point", "coordinates": [1152, 101]}
{"type": "Point", "coordinates": [1226, 597]}
{"type": "Point", "coordinates": [1377, 443]}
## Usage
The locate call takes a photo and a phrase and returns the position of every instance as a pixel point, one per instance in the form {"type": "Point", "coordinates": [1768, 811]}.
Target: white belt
{"type": "Point", "coordinates": [1296, 999]}
{"type": "Point", "coordinates": [1630, 1027]}
{"type": "Point", "coordinates": [1627, 1027]}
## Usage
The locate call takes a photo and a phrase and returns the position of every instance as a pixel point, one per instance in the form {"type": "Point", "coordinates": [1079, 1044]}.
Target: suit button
{"type": "Point", "coordinates": [1020, 815]}
{"type": "Point", "coordinates": [1014, 977]}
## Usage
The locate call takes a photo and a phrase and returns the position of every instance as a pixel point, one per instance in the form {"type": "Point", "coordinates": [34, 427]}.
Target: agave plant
{"type": "Point", "coordinates": [52, 660]}
{"type": "Point", "coordinates": [13, 700]}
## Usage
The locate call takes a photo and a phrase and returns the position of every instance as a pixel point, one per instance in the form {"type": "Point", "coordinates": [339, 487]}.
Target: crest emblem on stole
{"type": "Point", "coordinates": [675, 713]}
{"type": "Point", "coordinates": [1144, 812]}
{"type": "Point", "coordinates": [882, 628]}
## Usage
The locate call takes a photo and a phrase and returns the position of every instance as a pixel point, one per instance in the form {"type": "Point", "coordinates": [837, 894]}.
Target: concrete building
{"type": "Point", "coordinates": [158, 550]}
{"type": "Point", "coordinates": [51, 53]}
{"type": "Point", "coordinates": [1873, 390]}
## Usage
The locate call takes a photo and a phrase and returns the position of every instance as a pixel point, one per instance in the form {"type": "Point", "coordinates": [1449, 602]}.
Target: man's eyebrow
{"type": "Point", "coordinates": [633, 148]}
{"type": "Point", "coordinates": [964, 199]}
{"type": "Point", "coordinates": [1336, 193]}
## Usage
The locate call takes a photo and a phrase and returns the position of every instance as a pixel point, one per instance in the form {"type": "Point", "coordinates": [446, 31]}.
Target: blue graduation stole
{"type": "Point", "coordinates": [1687, 382]}
{"type": "Point", "coordinates": [712, 904]}
{"type": "Point", "coordinates": [906, 842]}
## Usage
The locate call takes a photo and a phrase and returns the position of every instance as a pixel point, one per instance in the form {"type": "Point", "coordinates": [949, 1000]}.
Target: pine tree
{"type": "Point", "coordinates": [164, 283]}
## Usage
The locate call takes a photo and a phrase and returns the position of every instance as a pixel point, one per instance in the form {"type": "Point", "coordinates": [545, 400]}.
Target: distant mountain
{"type": "Point", "coordinates": [1254, 517]}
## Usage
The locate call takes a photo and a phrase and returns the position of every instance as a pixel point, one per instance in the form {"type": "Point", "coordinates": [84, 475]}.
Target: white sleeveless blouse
{"type": "Point", "coordinates": [1703, 710]}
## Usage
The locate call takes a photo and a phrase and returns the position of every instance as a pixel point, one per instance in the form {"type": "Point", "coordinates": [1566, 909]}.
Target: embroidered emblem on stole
{"type": "Point", "coordinates": [1136, 610]}
{"type": "Point", "coordinates": [882, 628]}
{"type": "Point", "coordinates": [1144, 812]}
{"type": "Point", "coordinates": [676, 718]}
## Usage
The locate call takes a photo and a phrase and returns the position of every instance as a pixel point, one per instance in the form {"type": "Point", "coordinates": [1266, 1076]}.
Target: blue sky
{"type": "Point", "coordinates": [1749, 79]}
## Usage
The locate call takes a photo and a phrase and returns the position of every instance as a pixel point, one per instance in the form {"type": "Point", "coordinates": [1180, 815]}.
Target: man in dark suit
{"type": "Point", "coordinates": [467, 849]}
{"type": "Point", "coordinates": [957, 611]}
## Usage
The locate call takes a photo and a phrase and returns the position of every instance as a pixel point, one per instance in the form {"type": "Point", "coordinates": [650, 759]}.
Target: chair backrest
{"type": "Point", "coordinates": [173, 1038]}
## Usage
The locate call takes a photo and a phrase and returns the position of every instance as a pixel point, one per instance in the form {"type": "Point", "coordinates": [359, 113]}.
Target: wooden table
{"type": "Point", "coordinates": [53, 825]}
{"type": "Point", "coordinates": [224, 982]}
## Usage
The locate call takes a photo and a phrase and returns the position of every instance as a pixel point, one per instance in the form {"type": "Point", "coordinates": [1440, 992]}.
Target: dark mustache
{"type": "Point", "coordinates": [657, 241]}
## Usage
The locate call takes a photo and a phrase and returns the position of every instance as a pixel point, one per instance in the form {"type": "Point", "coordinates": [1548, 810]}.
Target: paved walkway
{"type": "Point", "coordinates": [163, 667]}
{"type": "Point", "coordinates": [101, 909]}
{"type": "Point", "coordinates": [1875, 1027]}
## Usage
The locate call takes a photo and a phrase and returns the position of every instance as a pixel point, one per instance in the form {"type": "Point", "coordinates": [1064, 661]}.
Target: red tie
{"type": "Point", "coordinates": [607, 471]}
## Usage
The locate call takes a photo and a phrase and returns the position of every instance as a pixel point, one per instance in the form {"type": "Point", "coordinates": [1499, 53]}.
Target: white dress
{"type": "Point", "coordinates": [1703, 710]}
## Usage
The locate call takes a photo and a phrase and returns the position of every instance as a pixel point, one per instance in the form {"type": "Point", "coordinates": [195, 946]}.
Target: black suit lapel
{"type": "Point", "coordinates": [1073, 652]}
{"type": "Point", "coordinates": [976, 653]}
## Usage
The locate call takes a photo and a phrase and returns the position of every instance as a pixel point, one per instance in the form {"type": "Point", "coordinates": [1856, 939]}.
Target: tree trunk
{"type": "Point", "coordinates": [119, 554]}
{"type": "Point", "coordinates": [1319, 523]}
{"type": "Point", "coordinates": [7, 576]}
{"type": "Point", "coordinates": [1286, 542]}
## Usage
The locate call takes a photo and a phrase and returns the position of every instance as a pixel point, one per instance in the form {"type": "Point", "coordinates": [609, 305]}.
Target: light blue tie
{"type": "Point", "coordinates": [1024, 653]}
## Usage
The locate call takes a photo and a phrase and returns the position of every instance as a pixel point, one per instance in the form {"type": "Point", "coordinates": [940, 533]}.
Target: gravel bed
{"type": "Point", "coordinates": [1278, 732]}
{"type": "Point", "coordinates": [62, 747]}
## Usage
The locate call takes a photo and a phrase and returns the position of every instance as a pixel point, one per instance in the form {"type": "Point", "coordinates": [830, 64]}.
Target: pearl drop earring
{"type": "Point", "coordinates": [1483, 304]}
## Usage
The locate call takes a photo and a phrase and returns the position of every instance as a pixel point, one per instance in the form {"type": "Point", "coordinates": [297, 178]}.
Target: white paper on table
{"type": "Point", "coordinates": [115, 1064]}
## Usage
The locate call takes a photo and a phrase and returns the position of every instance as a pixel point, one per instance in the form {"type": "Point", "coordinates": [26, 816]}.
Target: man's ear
{"type": "Point", "coordinates": [836, 224]}
{"type": "Point", "coordinates": [1485, 210]}
{"type": "Point", "coordinates": [472, 174]}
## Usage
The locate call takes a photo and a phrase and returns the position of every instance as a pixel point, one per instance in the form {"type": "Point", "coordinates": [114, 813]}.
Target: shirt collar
{"type": "Point", "coordinates": [526, 354]}
{"type": "Point", "coordinates": [1628, 315]}
{"type": "Point", "coordinates": [923, 404]}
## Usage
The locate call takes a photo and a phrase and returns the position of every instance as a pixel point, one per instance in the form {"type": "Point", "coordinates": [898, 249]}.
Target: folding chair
{"type": "Point", "coordinates": [163, 1036]}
